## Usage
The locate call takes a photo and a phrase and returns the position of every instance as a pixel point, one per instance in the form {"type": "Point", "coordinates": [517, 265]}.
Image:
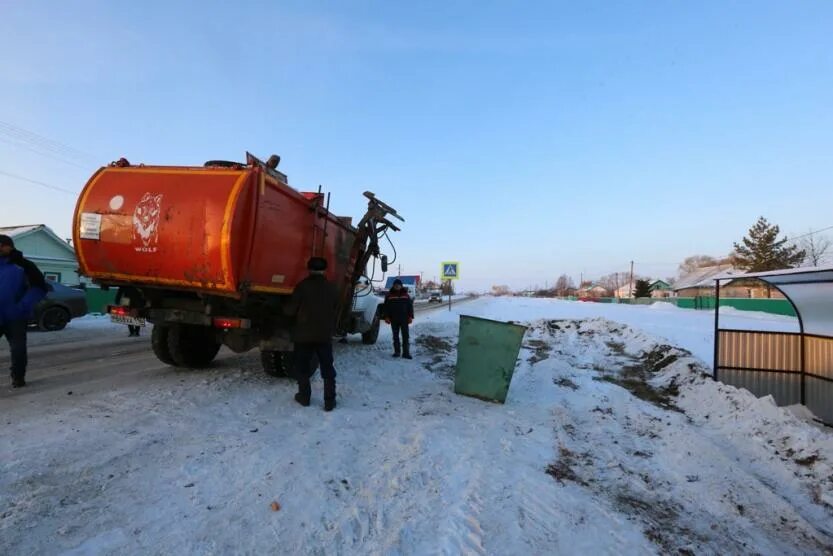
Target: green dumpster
{"type": "Point", "coordinates": [486, 354]}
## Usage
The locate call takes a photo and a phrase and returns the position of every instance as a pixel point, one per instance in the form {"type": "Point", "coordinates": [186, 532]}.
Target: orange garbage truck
{"type": "Point", "coordinates": [210, 255]}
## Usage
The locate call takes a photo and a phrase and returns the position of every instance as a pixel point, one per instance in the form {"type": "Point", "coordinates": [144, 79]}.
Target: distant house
{"type": "Point", "coordinates": [54, 256]}
{"type": "Point", "coordinates": [625, 291]}
{"type": "Point", "coordinates": [592, 290]}
{"type": "Point", "coordinates": [700, 283]}
{"type": "Point", "coordinates": [661, 288]}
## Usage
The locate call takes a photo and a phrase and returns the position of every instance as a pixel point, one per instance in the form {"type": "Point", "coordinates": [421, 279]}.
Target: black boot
{"type": "Point", "coordinates": [329, 394]}
{"type": "Point", "coordinates": [18, 381]}
{"type": "Point", "coordinates": [406, 355]}
{"type": "Point", "coordinates": [396, 353]}
{"type": "Point", "coordinates": [304, 393]}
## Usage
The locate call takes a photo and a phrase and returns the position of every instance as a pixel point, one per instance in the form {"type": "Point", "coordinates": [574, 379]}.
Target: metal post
{"type": "Point", "coordinates": [803, 344]}
{"type": "Point", "coordinates": [449, 295]}
{"type": "Point", "coordinates": [716, 327]}
{"type": "Point", "coordinates": [324, 233]}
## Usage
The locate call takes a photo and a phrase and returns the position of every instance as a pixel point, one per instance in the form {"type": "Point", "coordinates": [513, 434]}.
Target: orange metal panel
{"type": "Point", "coordinates": [207, 229]}
{"type": "Point", "coordinates": [289, 231]}
{"type": "Point", "coordinates": [164, 226]}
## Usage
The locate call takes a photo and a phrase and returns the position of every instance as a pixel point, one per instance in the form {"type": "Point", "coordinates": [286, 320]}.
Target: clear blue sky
{"type": "Point", "coordinates": [524, 142]}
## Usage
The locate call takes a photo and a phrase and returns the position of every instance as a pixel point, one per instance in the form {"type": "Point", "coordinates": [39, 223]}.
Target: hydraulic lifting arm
{"type": "Point", "coordinates": [372, 226]}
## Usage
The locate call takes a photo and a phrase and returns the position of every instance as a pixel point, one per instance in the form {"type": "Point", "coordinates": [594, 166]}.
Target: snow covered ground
{"type": "Point", "coordinates": [77, 330]}
{"type": "Point", "coordinates": [611, 441]}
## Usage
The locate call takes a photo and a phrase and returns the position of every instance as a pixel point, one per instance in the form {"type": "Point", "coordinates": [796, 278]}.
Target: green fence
{"type": "Point", "coordinates": [772, 306]}
{"type": "Point", "coordinates": [764, 305]}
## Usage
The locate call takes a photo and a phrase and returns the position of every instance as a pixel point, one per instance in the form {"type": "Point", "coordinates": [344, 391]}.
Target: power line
{"type": "Point", "coordinates": [811, 233]}
{"type": "Point", "coordinates": [42, 153]}
{"type": "Point", "coordinates": [40, 183]}
{"type": "Point", "coordinates": [30, 137]}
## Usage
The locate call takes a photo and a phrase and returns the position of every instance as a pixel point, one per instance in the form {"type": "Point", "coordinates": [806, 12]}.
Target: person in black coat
{"type": "Point", "coordinates": [314, 305]}
{"type": "Point", "coordinates": [399, 313]}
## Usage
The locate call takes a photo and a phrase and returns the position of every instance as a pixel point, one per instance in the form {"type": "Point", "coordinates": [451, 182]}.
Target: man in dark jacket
{"type": "Point", "coordinates": [22, 286]}
{"type": "Point", "coordinates": [314, 304]}
{"type": "Point", "coordinates": [399, 313]}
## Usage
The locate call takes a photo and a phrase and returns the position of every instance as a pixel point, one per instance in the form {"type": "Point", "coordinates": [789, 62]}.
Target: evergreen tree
{"type": "Point", "coordinates": [642, 289]}
{"type": "Point", "coordinates": [762, 250]}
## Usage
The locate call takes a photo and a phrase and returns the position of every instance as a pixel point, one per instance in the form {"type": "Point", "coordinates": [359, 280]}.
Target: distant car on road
{"type": "Point", "coordinates": [59, 306]}
{"type": "Point", "coordinates": [435, 295]}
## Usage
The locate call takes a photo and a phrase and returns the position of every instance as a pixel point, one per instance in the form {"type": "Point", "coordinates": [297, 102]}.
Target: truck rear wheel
{"type": "Point", "coordinates": [281, 364]}
{"type": "Point", "coordinates": [159, 341]}
{"type": "Point", "coordinates": [277, 363]}
{"type": "Point", "coordinates": [192, 346]}
{"type": "Point", "coordinates": [372, 335]}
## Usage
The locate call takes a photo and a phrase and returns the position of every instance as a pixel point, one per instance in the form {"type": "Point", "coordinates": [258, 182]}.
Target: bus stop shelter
{"type": "Point", "coordinates": [793, 367]}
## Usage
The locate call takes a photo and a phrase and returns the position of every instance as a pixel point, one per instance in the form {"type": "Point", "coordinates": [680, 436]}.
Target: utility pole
{"type": "Point", "coordinates": [630, 287]}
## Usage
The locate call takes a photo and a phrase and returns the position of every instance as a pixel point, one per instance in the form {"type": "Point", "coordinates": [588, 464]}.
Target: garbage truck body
{"type": "Point", "coordinates": [211, 254]}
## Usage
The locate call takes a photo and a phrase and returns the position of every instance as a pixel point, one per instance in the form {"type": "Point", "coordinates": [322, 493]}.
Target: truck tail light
{"type": "Point", "coordinates": [120, 311]}
{"type": "Point", "coordinates": [226, 323]}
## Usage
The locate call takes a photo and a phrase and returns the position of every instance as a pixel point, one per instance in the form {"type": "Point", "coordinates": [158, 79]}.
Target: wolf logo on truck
{"type": "Point", "coordinates": [146, 222]}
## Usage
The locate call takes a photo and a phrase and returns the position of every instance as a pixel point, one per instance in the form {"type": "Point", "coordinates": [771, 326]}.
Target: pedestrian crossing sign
{"type": "Point", "coordinates": [450, 271]}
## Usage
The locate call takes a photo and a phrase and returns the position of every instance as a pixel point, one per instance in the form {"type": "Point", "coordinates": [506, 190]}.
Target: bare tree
{"type": "Point", "coordinates": [500, 290]}
{"type": "Point", "coordinates": [692, 263]}
{"type": "Point", "coordinates": [815, 247]}
{"type": "Point", "coordinates": [563, 285]}
{"type": "Point", "coordinates": [617, 280]}
{"type": "Point", "coordinates": [610, 282]}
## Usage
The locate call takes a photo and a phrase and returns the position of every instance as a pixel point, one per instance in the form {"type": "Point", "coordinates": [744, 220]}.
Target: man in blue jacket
{"type": "Point", "coordinates": [22, 286]}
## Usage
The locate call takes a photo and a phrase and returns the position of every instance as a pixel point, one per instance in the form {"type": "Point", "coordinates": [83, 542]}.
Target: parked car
{"type": "Point", "coordinates": [59, 306]}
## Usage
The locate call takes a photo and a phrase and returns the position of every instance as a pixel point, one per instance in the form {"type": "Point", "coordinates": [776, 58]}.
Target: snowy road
{"type": "Point", "coordinates": [88, 361]}
{"type": "Point", "coordinates": [609, 443]}
{"type": "Point", "coordinates": [94, 355]}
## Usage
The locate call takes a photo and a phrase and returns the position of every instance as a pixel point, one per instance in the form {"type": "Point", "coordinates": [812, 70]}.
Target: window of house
{"type": "Point", "coordinates": [52, 276]}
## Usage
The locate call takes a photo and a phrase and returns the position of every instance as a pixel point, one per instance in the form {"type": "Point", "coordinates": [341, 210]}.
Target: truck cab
{"type": "Point", "coordinates": [365, 315]}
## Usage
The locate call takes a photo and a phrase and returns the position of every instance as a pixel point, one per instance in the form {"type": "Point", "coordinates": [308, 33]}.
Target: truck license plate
{"type": "Point", "coordinates": [133, 321]}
